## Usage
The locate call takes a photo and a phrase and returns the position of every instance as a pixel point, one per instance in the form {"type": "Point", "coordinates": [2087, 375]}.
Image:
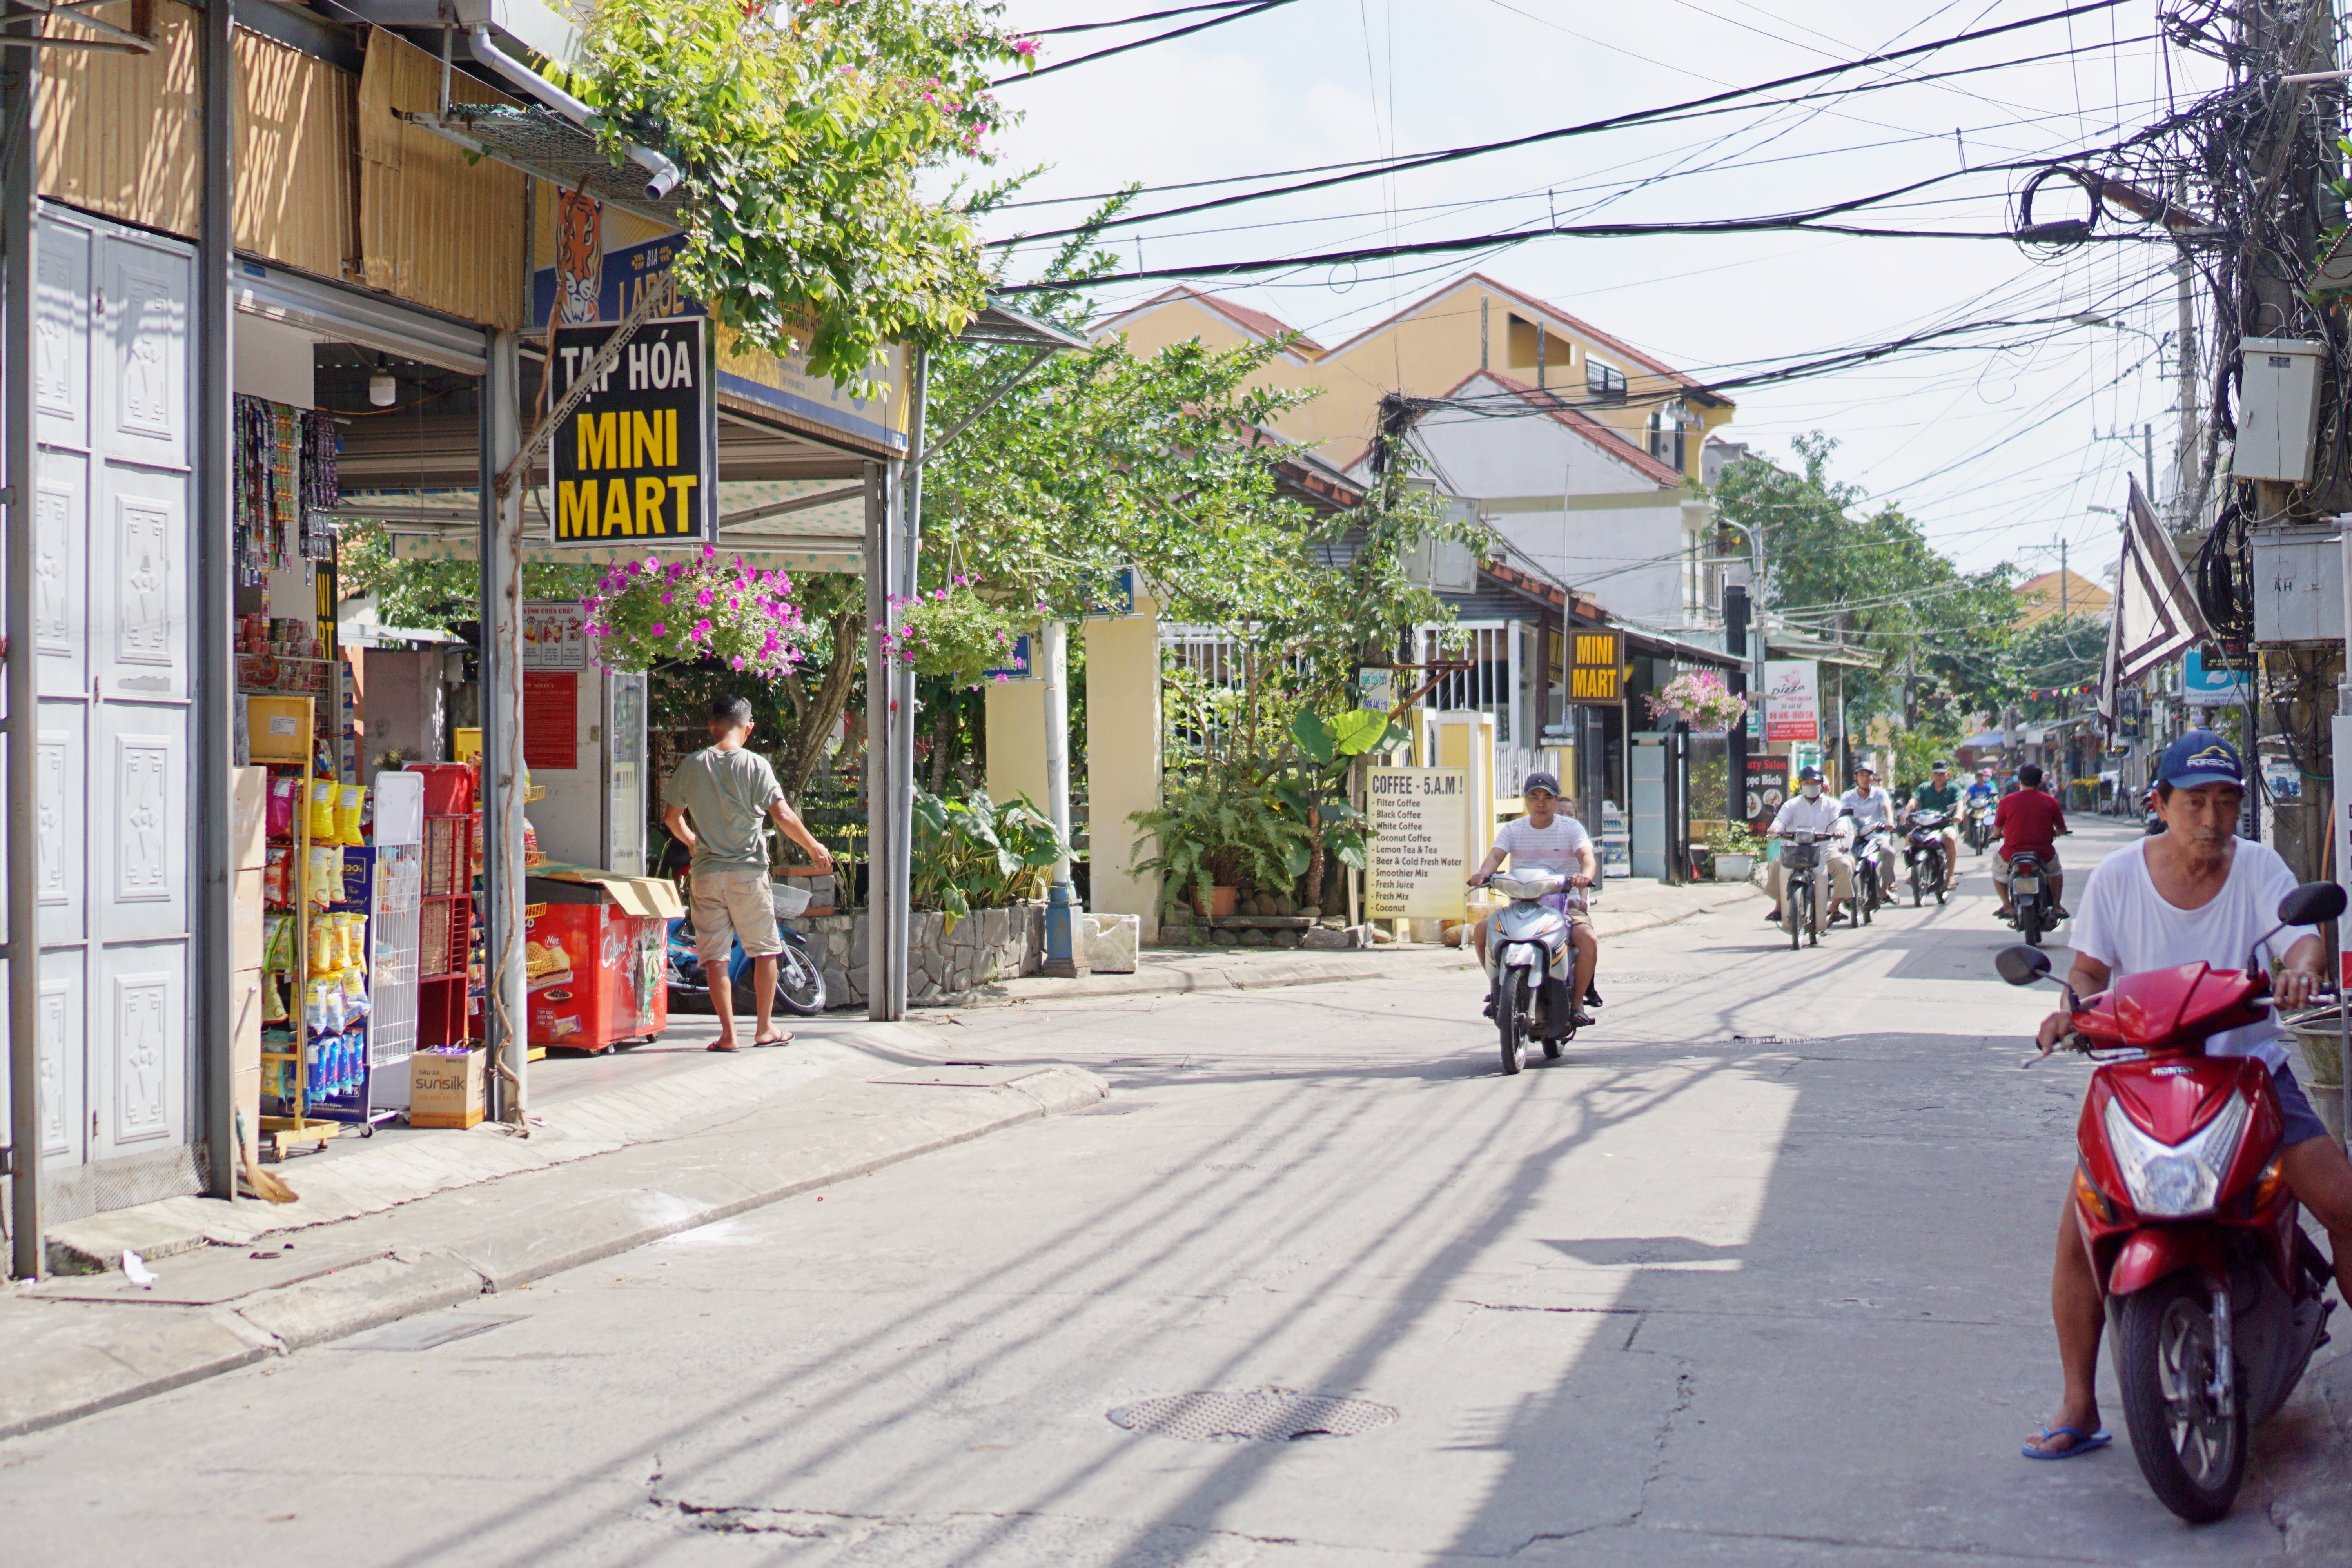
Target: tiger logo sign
{"type": "Point", "coordinates": [579, 259]}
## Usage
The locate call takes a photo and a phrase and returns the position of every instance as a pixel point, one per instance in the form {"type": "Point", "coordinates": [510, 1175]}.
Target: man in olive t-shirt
{"type": "Point", "coordinates": [1941, 793]}
{"type": "Point", "coordinates": [717, 803]}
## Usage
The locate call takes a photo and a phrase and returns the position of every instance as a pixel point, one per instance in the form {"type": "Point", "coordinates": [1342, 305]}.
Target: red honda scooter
{"type": "Point", "coordinates": [2212, 1289]}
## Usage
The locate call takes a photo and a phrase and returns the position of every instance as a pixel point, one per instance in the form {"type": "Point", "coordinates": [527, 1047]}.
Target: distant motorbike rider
{"type": "Point", "coordinates": [1872, 807]}
{"type": "Point", "coordinates": [1548, 839]}
{"type": "Point", "coordinates": [2031, 820]}
{"type": "Point", "coordinates": [1941, 793]}
{"type": "Point", "coordinates": [1983, 797]}
{"type": "Point", "coordinates": [1810, 811]}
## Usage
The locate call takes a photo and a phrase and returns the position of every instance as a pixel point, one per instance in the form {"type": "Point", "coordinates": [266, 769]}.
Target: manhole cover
{"type": "Point", "coordinates": [1253, 1415]}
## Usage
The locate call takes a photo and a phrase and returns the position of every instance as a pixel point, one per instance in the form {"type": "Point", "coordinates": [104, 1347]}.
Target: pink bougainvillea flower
{"type": "Point", "coordinates": [711, 552]}
{"type": "Point", "coordinates": [668, 597]}
{"type": "Point", "coordinates": [1025, 47]}
{"type": "Point", "coordinates": [737, 661]}
{"type": "Point", "coordinates": [701, 630]}
{"type": "Point", "coordinates": [704, 598]}
{"type": "Point", "coordinates": [660, 629]}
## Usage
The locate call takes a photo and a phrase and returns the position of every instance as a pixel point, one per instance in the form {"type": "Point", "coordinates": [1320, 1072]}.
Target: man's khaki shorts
{"type": "Point", "coordinates": [2050, 868]}
{"type": "Point", "coordinates": [733, 903]}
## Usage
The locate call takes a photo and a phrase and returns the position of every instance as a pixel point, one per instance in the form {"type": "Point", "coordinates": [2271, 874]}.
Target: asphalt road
{"type": "Point", "coordinates": [1754, 1274]}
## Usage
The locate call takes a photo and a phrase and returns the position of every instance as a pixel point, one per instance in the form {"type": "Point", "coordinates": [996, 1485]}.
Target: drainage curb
{"type": "Point", "coordinates": [90, 1357]}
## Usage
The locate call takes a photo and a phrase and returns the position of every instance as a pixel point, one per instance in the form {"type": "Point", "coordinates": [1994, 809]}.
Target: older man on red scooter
{"type": "Point", "coordinates": [2194, 892]}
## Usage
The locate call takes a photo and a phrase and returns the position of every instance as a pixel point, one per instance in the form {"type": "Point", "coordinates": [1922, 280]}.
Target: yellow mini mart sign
{"type": "Point", "coordinates": [636, 461]}
{"type": "Point", "coordinates": [1596, 666]}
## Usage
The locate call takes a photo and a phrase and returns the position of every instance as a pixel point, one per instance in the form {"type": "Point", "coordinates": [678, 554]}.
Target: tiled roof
{"type": "Point", "coordinates": [1583, 424]}
{"type": "Point", "coordinates": [1253, 321]}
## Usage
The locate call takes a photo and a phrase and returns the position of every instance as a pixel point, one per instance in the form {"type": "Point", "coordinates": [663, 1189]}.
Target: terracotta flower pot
{"type": "Point", "coordinates": [1219, 905]}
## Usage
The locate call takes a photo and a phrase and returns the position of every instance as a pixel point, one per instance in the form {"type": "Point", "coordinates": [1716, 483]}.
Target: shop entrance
{"type": "Point", "coordinates": [112, 605]}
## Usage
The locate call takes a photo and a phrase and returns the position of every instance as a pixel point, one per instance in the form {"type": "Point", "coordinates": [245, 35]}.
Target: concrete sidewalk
{"type": "Point", "coordinates": [391, 1233]}
{"type": "Point", "coordinates": [1625, 906]}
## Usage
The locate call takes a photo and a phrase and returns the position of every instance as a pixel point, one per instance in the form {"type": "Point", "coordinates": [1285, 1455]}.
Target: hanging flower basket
{"type": "Point", "coordinates": [951, 632]}
{"type": "Point", "coordinates": [645, 612]}
{"type": "Point", "coordinates": [1699, 699]}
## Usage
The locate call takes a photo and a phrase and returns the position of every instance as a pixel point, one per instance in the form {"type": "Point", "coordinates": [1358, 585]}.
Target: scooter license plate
{"type": "Point", "coordinates": [2026, 885]}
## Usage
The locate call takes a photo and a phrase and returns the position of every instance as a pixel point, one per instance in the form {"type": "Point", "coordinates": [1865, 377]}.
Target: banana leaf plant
{"type": "Point", "coordinates": [973, 854]}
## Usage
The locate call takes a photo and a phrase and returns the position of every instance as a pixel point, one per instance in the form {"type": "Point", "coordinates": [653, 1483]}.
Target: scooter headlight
{"type": "Point", "coordinates": [2175, 1180]}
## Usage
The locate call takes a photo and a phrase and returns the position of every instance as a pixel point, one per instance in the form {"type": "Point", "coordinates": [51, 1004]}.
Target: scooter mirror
{"type": "Point", "coordinates": [2022, 965]}
{"type": "Point", "coordinates": [2314, 903]}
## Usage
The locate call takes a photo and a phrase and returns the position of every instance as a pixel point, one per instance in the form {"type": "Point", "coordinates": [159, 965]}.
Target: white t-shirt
{"type": "Point", "coordinates": [1797, 814]}
{"type": "Point", "coordinates": [1553, 849]}
{"type": "Point", "coordinates": [1874, 805]}
{"type": "Point", "coordinates": [2124, 924]}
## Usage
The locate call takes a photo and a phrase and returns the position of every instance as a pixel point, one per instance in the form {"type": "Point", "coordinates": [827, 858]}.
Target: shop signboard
{"type": "Point", "coordinates": [779, 383]}
{"type": "Point", "coordinates": [2205, 683]}
{"type": "Point", "coordinates": [1596, 666]}
{"type": "Point", "coordinates": [1792, 699]}
{"type": "Point", "coordinates": [1767, 787]}
{"type": "Point", "coordinates": [636, 462]}
{"type": "Point", "coordinates": [1421, 822]}
{"type": "Point", "coordinates": [1019, 665]}
{"type": "Point", "coordinates": [1375, 689]}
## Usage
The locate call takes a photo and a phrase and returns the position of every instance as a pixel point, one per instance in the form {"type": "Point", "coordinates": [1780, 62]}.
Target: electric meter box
{"type": "Point", "coordinates": [2278, 408]}
{"type": "Point", "coordinates": [2298, 583]}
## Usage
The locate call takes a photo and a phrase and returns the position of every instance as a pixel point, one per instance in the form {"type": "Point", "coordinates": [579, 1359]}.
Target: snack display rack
{"type": "Point", "coordinates": [449, 996]}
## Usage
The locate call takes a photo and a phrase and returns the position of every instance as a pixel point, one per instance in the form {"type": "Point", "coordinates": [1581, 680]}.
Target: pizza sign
{"type": "Point", "coordinates": [635, 463]}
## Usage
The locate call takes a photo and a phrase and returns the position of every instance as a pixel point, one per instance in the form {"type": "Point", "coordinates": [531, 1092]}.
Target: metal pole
{"type": "Point", "coordinates": [19, 76]}
{"type": "Point", "coordinates": [886, 873]}
{"type": "Point", "coordinates": [504, 1019]}
{"type": "Point", "coordinates": [214, 666]}
{"type": "Point", "coordinates": [1063, 949]}
{"type": "Point", "coordinates": [906, 562]}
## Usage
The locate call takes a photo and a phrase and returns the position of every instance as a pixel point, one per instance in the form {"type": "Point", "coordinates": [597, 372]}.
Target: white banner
{"type": "Point", "coordinates": [1792, 699]}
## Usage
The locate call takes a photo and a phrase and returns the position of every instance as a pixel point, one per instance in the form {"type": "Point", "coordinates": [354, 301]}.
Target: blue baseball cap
{"type": "Point", "coordinates": [1548, 782]}
{"type": "Point", "coordinates": [2200, 757]}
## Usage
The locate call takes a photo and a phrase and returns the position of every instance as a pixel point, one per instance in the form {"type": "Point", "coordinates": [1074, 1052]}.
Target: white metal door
{"type": "Point", "coordinates": [113, 606]}
{"type": "Point", "coordinates": [624, 778]}
{"type": "Point", "coordinates": [1648, 757]}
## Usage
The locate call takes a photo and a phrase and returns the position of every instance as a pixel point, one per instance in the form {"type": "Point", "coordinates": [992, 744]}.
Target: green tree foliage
{"type": "Point", "coordinates": [802, 129]}
{"type": "Point", "coordinates": [1939, 635]}
{"type": "Point", "coordinates": [2055, 653]}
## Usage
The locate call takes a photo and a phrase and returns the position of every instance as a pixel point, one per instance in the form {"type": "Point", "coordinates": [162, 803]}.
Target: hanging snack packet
{"type": "Point", "coordinates": [322, 810]}
{"type": "Point", "coordinates": [355, 943]}
{"type": "Point", "coordinates": [355, 996]}
{"type": "Point", "coordinates": [273, 1000]}
{"type": "Point", "coordinates": [277, 943]}
{"type": "Point", "coordinates": [273, 875]}
{"type": "Point", "coordinates": [281, 821]}
{"type": "Point", "coordinates": [324, 883]}
{"type": "Point", "coordinates": [351, 805]}
{"type": "Point", "coordinates": [326, 945]}
{"type": "Point", "coordinates": [314, 1006]}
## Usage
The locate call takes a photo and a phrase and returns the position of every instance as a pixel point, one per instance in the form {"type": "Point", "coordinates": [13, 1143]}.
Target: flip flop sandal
{"type": "Point", "coordinates": [783, 1039]}
{"type": "Point", "coordinates": [716, 1046]}
{"type": "Point", "coordinates": [2083, 1443]}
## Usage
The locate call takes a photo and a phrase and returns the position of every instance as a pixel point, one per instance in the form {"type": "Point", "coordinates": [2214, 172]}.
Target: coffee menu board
{"type": "Point", "coordinates": [1421, 822]}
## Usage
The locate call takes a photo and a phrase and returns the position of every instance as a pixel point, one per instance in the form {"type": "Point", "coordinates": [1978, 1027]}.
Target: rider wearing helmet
{"type": "Point", "coordinates": [1547, 839]}
{"type": "Point", "coordinates": [1941, 793]}
{"type": "Point", "coordinates": [1810, 811]}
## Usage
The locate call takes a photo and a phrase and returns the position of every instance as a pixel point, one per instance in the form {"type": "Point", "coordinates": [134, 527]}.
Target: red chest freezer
{"type": "Point", "coordinates": [596, 955]}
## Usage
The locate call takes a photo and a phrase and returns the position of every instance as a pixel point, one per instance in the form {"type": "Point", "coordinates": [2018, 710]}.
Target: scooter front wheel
{"type": "Point", "coordinates": [2193, 1455]}
{"type": "Point", "coordinates": [1511, 1020]}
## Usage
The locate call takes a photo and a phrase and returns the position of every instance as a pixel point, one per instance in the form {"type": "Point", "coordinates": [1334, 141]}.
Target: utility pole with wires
{"type": "Point", "coordinates": [2145, 443]}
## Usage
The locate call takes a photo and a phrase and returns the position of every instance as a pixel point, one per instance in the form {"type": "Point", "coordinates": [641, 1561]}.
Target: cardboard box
{"type": "Point", "coordinates": [248, 795]}
{"type": "Point", "coordinates": [446, 1088]}
{"type": "Point", "coordinates": [244, 919]}
{"type": "Point", "coordinates": [279, 729]}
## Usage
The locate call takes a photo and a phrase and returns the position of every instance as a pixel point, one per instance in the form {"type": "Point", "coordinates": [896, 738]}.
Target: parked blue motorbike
{"type": "Point", "coordinates": [800, 985]}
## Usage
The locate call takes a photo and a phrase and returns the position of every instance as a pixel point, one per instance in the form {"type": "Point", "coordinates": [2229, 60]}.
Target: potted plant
{"type": "Point", "coordinates": [1217, 833]}
{"type": "Point", "coordinates": [645, 612]}
{"type": "Point", "coordinates": [1734, 850]}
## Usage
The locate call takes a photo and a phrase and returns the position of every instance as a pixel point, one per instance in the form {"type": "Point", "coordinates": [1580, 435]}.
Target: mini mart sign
{"type": "Point", "coordinates": [634, 463]}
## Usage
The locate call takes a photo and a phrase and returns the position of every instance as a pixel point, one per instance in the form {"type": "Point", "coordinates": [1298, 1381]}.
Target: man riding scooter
{"type": "Point", "coordinates": [1810, 811]}
{"type": "Point", "coordinates": [2196, 892]}
{"type": "Point", "coordinates": [1941, 793]}
{"type": "Point", "coordinates": [1548, 839]}
{"type": "Point", "coordinates": [1981, 800]}
{"type": "Point", "coordinates": [2031, 820]}
{"type": "Point", "coordinates": [1873, 807]}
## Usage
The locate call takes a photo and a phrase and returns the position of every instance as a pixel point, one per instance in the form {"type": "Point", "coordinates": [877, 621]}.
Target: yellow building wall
{"type": "Point", "coordinates": [1123, 761]}
{"type": "Point", "coordinates": [1017, 740]}
{"type": "Point", "coordinates": [1424, 354]}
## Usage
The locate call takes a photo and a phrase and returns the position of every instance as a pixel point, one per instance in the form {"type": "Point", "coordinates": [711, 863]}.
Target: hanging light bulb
{"type": "Point", "coordinates": [382, 388]}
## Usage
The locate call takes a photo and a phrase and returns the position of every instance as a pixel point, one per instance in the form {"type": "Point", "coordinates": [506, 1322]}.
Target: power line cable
{"type": "Point", "coordinates": [1145, 43]}
{"type": "Point", "coordinates": [1132, 21]}
{"type": "Point", "coordinates": [1688, 109]}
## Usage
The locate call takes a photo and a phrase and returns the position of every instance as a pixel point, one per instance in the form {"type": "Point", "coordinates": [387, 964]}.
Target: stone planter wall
{"type": "Point", "coordinates": [943, 967]}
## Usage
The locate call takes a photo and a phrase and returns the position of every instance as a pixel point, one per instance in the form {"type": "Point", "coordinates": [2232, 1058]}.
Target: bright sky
{"type": "Point", "coordinates": [1992, 451]}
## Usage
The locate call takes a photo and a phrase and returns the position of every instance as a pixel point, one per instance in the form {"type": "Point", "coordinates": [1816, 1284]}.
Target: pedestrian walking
{"type": "Point", "coordinates": [717, 804]}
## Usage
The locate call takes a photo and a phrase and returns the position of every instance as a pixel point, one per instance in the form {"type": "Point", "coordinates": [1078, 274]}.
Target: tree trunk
{"type": "Point", "coordinates": [825, 705]}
